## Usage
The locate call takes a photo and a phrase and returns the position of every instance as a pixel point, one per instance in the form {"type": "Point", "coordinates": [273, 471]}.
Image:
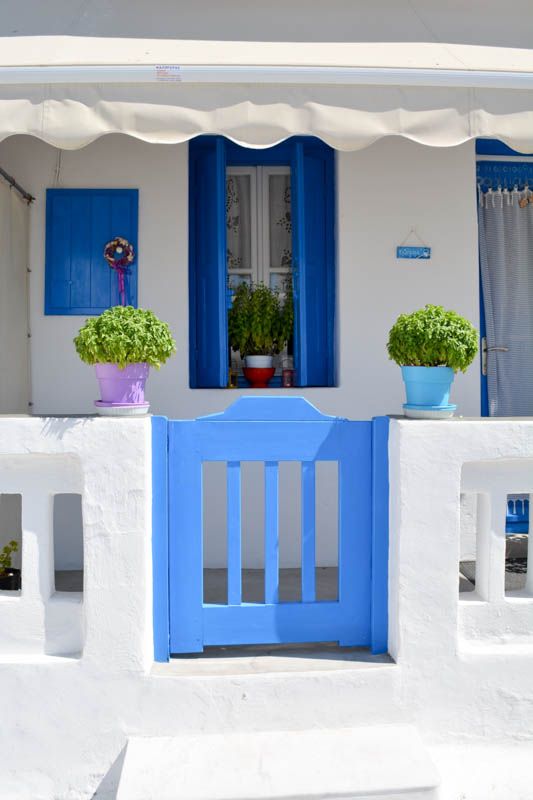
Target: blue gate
{"type": "Point", "coordinates": [269, 430]}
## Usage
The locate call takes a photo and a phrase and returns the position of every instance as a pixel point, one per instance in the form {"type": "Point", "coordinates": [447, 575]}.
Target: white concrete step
{"type": "Point", "coordinates": [381, 762]}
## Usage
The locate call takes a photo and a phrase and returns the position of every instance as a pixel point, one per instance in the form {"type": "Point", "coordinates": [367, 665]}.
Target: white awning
{"type": "Point", "coordinates": [69, 91]}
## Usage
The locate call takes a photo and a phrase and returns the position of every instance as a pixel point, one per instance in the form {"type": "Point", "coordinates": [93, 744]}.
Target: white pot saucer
{"type": "Point", "coordinates": [429, 412]}
{"type": "Point", "coordinates": [121, 409]}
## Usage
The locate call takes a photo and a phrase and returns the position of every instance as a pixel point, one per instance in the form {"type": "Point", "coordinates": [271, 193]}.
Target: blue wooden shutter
{"type": "Point", "coordinates": [207, 263]}
{"type": "Point", "coordinates": [79, 223]}
{"type": "Point", "coordinates": [313, 262]}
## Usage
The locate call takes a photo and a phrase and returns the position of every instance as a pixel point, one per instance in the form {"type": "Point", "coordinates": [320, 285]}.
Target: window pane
{"type": "Point", "coordinates": [278, 280]}
{"type": "Point", "coordinates": [238, 222]}
{"type": "Point", "coordinates": [279, 197]}
{"type": "Point", "coordinates": [236, 279]}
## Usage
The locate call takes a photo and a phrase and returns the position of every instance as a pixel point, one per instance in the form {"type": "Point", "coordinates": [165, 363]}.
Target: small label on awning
{"type": "Point", "coordinates": [169, 73]}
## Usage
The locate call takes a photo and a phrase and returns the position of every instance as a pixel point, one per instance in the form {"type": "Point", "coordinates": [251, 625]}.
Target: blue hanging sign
{"type": "Point", "coordinates": [406, 251]}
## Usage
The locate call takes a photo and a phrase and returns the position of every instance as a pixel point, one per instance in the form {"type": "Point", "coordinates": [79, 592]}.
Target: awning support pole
{"type": "Point", "coordinates": [12, 182]}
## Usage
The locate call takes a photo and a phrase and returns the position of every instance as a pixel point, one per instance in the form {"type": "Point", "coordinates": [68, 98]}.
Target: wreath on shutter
{"type": "Point", "coordinates": [119, 254]}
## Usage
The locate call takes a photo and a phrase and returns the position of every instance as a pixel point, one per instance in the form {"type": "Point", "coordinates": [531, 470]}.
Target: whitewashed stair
{"type": "Point", "coordinates": [381, 762]}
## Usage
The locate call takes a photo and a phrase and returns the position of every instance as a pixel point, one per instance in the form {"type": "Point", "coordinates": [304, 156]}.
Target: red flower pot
{"type": "Point", "coordinates": [259, 377]}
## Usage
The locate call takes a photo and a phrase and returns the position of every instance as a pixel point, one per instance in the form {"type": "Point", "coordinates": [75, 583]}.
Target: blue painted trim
{"type": "Point", "coordinates": [298, 260]}
{"type": "Point", "coordinates": [185, 539]}
{"type": "Point", "coordinates": [380, 535]}
{"type": "Point", "coordinates": [193, 379]}
{"type": "Point", "coordinates": [331, 268]}
{"type": "Point", "coordinates": [264, 409]}
{"type": "Point", "coordinates": [208, 337]}
{"type": "Point", "coordinates": [278, 155]}
{"type": "Point", "coordinates": [493, 147]}
{"type": "Point", "coordinates": [160, 568]}
{"type": "Point", "coordinates": [51, 309]}
{"type": "Point", "coordinates": [504, 173]}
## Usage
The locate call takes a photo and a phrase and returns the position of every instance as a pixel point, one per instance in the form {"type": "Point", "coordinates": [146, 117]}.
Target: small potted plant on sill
{"type": "Point", "coordinates": [430, 346]}
{"type": "Point", "coordinates": [9, 576]}
{"type": "Point", "coordinates": [260, 323]}
{"type": "Point", "coordinates": [123, 343]}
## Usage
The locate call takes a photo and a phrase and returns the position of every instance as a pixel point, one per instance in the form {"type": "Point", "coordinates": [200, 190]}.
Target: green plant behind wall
{"type": "Point", "coordinates": [433, 337]}
{"type": "Point", "coordinates": [125, 335]}
{"type": "Point", "coordinates": [260, 320]}
{"type": "Point", "coordinates": [5, 556]}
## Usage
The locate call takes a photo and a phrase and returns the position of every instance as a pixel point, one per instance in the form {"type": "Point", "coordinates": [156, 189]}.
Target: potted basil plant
{"type": "Point", "coordinates": [9, 576]}
{"type": "Point", "coordinates": [260, 324]}
{"type": "Point", "coordinates": [123, 343]}
{"type": "Point", "coordinates": [431, 345]}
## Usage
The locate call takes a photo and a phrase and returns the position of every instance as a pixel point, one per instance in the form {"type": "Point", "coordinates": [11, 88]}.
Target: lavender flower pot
{"type": "Point", "coordinates": [122, 386]}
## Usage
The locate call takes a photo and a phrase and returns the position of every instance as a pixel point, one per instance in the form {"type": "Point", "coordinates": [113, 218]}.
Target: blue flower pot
{"type": "Point", "coordinates": [428, 387]}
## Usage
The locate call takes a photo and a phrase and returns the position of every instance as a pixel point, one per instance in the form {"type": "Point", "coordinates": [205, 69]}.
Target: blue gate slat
{"type": "Point", "coordinates": [380, 534]}
{"type": "Point", "coordinates": [355, 530]}
{"type": "Point", "coordinates": [308, 532]}
{"type": "Point", "coordinates": [185, 540]}
{"type": "Point", "coordinates": [234, 533]}
{"type": "Point", "coordinates": [160, 538]}
{"type": "Point", "coordinates": [271, 532]}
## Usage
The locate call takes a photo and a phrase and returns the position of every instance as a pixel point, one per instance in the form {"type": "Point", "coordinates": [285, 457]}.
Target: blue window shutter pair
{"type": "Point", "coordinates": [207, 264]}
{"type": "Point", "coordinates": [79, 223]}
{"type": "Point", "coordinates": [312, 181]}
{"type": "Point", "coordinates": [313, 262]}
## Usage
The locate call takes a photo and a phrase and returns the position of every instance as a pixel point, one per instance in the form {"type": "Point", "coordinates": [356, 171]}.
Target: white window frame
{"type": "Point", "coordinates": [261, 268]}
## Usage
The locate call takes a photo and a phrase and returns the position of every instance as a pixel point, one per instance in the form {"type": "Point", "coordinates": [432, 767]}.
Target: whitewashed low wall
{"type": "Point", "coordinates": [451, 478]}
{"type": "Point", "coordinates": [463, 664]}
{"type": "Point", "coordinates": [108, 462]}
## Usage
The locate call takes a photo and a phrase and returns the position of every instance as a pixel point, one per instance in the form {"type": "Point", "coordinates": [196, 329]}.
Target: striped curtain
{"type": "Point", "coordinates": [506, 255]}
{"type": "Point", "coordinates": [14, 349]}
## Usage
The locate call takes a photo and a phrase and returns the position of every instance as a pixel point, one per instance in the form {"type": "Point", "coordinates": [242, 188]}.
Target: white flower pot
{"type": "Point", "coordinates": [259, 362]}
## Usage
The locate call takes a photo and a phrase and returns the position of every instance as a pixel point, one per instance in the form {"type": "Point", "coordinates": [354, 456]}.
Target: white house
{"type": "Point", "coordinates": [280, 630]}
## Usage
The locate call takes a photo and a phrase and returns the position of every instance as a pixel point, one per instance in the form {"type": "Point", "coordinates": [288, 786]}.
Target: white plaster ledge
{"type": "Point", "coordinates": [378, 761]}
{"type": "Point", "coordinates": [39, 658]}
{"type": "Point", "coordinates": [272, 662]}
{"type": "Point", "coordinates": [497, 647]}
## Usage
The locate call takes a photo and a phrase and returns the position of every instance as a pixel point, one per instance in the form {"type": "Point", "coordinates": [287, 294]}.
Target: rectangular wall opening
{"type": "Point", "coordinates": [11, 532]}
{"type": "Point", "coordinates": [516, 543]}
{"type": "Point", "coordinates": [68, 543]}
{"type": "Point", "coordinates": [468, 541]}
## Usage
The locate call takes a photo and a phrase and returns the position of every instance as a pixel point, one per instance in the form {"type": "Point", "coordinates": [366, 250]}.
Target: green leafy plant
{"type": "Point", "coordinates": [260, 320]}
{"type": "Point", "coordinates": [433, 337]}
{"type": "Point", "coordinates": [5, 557]}
{"type": "Point", "coordinates": [125, 335]}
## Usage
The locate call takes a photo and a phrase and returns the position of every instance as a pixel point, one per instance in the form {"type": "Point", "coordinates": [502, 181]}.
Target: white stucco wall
{"type": "Point", "coordinates": [382, 192]}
